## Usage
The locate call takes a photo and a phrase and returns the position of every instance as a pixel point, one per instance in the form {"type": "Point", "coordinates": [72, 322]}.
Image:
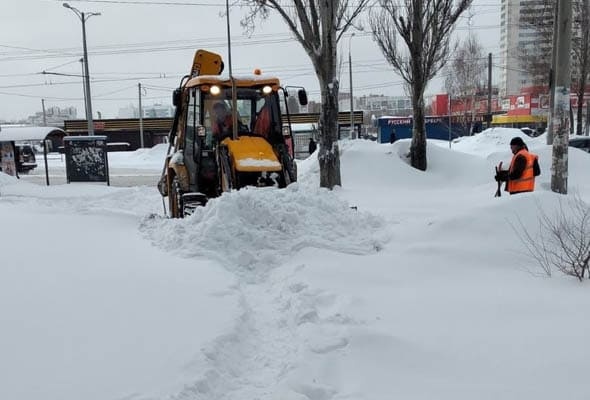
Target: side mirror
{"type": "Point", "coordinates": [302, 95]}
{"type": "Point", "coordinates": [176, 97]}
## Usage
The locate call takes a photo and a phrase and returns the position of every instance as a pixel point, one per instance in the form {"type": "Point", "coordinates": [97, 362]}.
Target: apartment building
{"type": "Point", "coordinates": [520, 40]}
{"type": "Point", "coordinates": [54, 116]}
{"type": "Point", "coordinates": [526, 40]}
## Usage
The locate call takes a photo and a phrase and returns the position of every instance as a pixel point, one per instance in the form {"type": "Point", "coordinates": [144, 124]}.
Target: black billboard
{"type": "Point", "coordinates": [86, 159]}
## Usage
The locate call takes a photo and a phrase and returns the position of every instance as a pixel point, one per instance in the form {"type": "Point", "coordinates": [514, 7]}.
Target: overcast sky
{"type": "Point", "coordinates": [154, 45]}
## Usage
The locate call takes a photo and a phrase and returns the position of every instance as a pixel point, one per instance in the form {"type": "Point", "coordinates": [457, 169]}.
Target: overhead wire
{"type": "Point", "coordinates": [220, 4]}
{"type": "Point", "coordinates": [134, 48]}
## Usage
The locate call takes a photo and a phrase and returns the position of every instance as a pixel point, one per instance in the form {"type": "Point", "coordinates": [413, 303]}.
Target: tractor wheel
{"type": "Point", "coordinates": [289, 168]}
{"type": "Point", "coordinates": [176, 206]}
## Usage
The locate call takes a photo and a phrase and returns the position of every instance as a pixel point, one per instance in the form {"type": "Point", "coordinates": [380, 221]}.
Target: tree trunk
{"type": "Point", "coordinates": [329, 154]}
{"type": "Point", "coordinates": [418, 146]}
{"type": "Point", "coordinates": [580, 116]}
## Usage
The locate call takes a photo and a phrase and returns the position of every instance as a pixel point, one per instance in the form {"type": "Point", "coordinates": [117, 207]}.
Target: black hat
{"type": "Point", "coordinates": [517, 141]}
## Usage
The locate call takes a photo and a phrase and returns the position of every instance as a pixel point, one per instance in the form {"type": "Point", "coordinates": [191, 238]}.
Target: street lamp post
{"type": "Point", "coordinates": [83, 18]}
{"type": "Point", "coordinates": [84, 87]}
{"type": "Point", "coordinates": [352, 133]}
{"type": "Point", "coordinates": [234, 89]}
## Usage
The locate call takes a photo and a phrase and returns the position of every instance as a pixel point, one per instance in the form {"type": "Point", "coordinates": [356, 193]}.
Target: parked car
{"type": "Point", "coordinates": [25, 157]}
{"type": "Point", "coordinates": [532, 132]}
{"type": "Point", "coordinates": [581, 142]}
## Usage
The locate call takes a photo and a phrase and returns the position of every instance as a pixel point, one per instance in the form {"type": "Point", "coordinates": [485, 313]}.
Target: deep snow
{"type": "Point", "coordinates": [401, 284]}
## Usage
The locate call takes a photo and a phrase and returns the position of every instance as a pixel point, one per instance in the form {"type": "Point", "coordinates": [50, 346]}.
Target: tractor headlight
{"type": "Point", "coordinates": [286, 130]}
{"type": "Point", "coordinates": [215, 90]}
{"type": "Point", "coordinates": [266, 89]}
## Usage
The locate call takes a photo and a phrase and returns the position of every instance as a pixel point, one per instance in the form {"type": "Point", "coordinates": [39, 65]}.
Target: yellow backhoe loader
{"type": "Point", "coordinates": [227, 133]}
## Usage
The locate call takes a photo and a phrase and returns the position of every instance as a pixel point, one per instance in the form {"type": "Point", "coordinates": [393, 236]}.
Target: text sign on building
{"type": "Point", "coordinates": [86, 159]}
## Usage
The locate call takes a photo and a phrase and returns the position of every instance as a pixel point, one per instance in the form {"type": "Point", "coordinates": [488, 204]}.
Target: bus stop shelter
{"type": "Point", "coordinates": [34, 134]}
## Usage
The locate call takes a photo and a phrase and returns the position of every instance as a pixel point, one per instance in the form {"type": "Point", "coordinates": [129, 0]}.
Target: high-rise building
{"type": "Point", "coordinates": [526, 40]}
{"type": "Point", "coordinates": [518, 36]}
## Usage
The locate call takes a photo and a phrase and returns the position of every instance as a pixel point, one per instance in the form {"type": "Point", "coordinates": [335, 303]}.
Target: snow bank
{"type": "Point", "coordinates": [493, 139]}
{"type": "Point", "coordinates": [6, 180]}
{"type": "Point", "coordinates": [148, 158]}
{"type": "Point", "coordinates": [253, 229]}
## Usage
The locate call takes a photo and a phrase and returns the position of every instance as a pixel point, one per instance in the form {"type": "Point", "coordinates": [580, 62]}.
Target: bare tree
{"type": "Point", "coordinates": [465, 75]}
{"type": "Point", "coordinates": [425, 27]}
{"type": "Point", "coordinates": [317, 25]}
{"type": "Point", "coordinates": [563, 239]}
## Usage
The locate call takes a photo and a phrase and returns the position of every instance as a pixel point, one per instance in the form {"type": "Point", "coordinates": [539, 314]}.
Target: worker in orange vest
{"type": "Point", "coordinates": [524, 167]}
{"type": "Point", "coordinates": [222, 121]}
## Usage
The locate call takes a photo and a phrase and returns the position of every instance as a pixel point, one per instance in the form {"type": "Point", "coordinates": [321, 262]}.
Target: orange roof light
{"type": "Point", "coordinates": [257, 71]}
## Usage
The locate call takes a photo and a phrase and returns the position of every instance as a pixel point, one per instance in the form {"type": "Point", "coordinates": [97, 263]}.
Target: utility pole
{"type": "Point", "coordinates": [450, 133]}
{"type": "Point", "coordinates": [489, 124]}
{"type": "Point", "coordinates": [140, 118]}
{"type": "Point", "coordinates": [87, 76]}
{"type": "Point", "coordinates": [83, 17]}
{"type": "Point", "coordinates": [561, 107]}
{"type": "Point", "coordinates": [550, 115]}
{"type": "Point", "coordinates": [234, 89]}
{"type": "Point", "coordinates": [84, 88]}
{"type": "Point", "coordinates": [44, 113]}
{"type": "Point", "coordinates": [352, 133]}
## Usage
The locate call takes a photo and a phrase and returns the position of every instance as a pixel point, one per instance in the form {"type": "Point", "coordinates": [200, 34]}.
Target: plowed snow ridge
{"type": "Point", "coordinates": [251, 230]}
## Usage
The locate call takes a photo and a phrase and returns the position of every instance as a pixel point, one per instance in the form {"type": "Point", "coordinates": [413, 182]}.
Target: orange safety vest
{"type": "Point", "coordinates": [526, 183]}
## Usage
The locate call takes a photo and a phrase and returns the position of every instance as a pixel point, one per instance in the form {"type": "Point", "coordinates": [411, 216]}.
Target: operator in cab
{"type": "Point", "coordinates": [221, 121]}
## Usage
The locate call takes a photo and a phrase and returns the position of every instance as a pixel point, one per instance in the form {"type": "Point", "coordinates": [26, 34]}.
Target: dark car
{"type": "Point", "coordinates": [582, 143]}
{"type": "Point", "coordinates": [25, 157]}
{"type": "Point", "coordinates": [532, 132]}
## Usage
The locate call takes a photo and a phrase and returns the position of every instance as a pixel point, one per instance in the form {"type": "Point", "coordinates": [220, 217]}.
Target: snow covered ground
{"type": "Point", "coordinates": [402, 284]}
{"type": "Point", "coordinates": [139, 168]}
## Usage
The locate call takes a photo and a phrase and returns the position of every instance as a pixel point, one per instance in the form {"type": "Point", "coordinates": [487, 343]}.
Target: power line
{"type": "Point", "coordinates": [178, 3]}
{"type": "Point", "coordinates": [78, 82]}
{"type": "Point", "coordinates": [151, 3]}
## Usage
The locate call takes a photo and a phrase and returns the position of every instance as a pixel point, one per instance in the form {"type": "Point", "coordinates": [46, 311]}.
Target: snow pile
{"type": "Point", "coordinates": [493, 139]}
{"type": "Point", "coordinates": [255, 228]}
{"type": "Point", "coordinates": [148, 158]}
{"type": "Point", "coordinates": [6, 180]}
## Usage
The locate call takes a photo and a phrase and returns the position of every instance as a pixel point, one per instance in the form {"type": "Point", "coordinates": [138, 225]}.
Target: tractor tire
{"type": "Point", "coordinates": [176, 203]}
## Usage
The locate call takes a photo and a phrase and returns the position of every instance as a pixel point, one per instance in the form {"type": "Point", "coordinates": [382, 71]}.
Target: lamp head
{"type": "Point", "coordinates": [66, 5]}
